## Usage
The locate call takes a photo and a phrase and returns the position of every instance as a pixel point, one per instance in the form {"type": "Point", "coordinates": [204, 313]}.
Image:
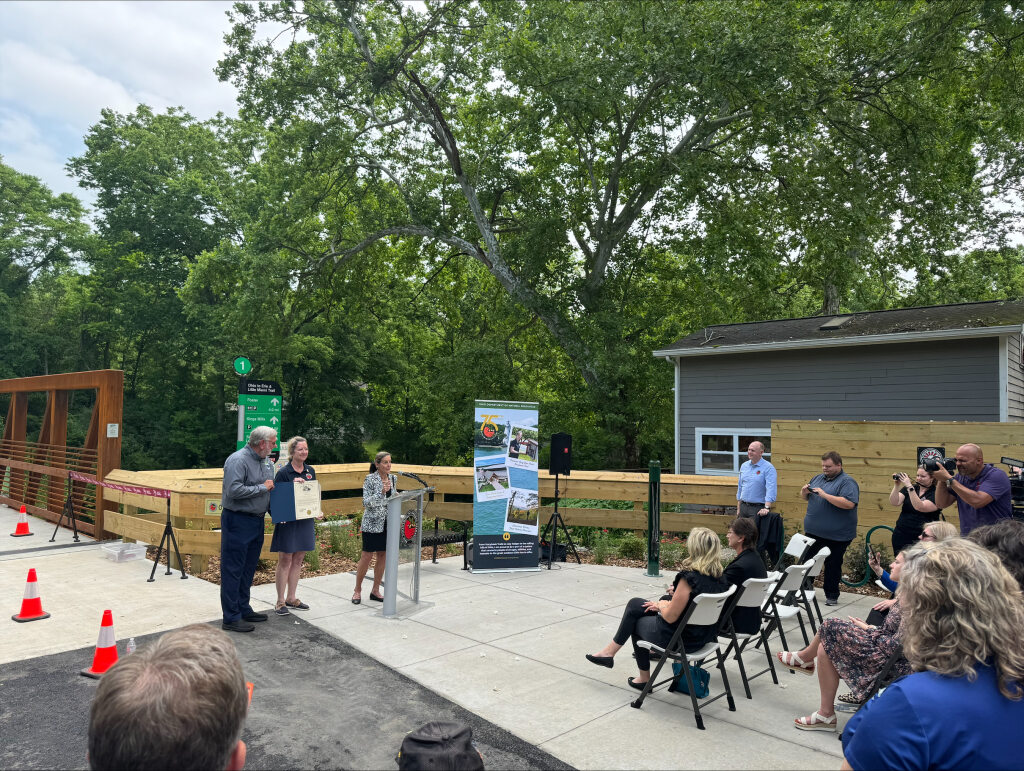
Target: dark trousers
{"type": "Point", "coordinates": [833, 563]}
{"type": "Point", "coordinates": [638, 624]}
{"type": "Point", "coordinates": [765, 543]}
{"type": "Point", "coordinates": [241, 539]}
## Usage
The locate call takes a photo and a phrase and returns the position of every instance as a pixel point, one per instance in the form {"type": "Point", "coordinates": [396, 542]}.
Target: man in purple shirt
{"type": "Point", "coordinates": [981, 491]}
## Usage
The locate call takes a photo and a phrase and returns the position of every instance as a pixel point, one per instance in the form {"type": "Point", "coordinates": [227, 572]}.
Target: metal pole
{"type": "Point", "coordinates": [653, 518]}
{"type": "Point", "coordinates": [391, 560]}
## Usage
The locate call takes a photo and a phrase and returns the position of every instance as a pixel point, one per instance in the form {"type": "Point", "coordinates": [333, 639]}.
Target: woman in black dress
{"type": "Point", "coordinates": [292, 540]}
{"type": "Point", "coordinates": [917, 507]}
{"type": "Point", "coordinates": [657, 620]}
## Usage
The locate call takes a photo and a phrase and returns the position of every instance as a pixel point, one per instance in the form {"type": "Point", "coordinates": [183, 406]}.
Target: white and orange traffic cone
{"type": "Point", "coordinates": [31, 606]}
{"type": "Point", "coordinates": [22, 526]}
{"type": "Point", "coordinates": [106, 649]}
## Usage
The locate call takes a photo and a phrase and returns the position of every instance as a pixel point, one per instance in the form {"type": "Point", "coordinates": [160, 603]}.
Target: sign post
{"type": "Point", "coordinates": [259, 404]}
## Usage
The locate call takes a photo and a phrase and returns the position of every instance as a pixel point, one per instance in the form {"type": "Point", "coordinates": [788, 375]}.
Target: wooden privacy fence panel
{"type": "Point", "coordinates": [872, 452]}
{"type": "Point", "coordinates": [196, 493]}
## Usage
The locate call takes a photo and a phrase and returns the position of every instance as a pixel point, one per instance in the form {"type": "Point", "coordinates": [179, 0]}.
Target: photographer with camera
{"type": "Point", "coordinates": [981, 491]}
{"type": "Point", "coordinates": [917, 507]}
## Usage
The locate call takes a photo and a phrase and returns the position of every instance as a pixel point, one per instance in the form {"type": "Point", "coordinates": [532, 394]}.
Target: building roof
{"type": "Point", "coordinates": [936, 322]}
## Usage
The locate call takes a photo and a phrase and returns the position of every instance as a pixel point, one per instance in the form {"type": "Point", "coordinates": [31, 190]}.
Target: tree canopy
{"type": "Point", "coordinates": [423, 204]}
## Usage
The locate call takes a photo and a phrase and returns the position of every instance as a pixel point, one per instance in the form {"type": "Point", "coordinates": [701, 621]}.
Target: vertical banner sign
{"type": "Point", "coordinates": [260, 403]}
{"type": "Point", "coordinates": [506, 504]}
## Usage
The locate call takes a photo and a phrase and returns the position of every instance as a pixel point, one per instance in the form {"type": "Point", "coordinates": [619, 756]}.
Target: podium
{"type": "Point", "coordinates": [396, 536]}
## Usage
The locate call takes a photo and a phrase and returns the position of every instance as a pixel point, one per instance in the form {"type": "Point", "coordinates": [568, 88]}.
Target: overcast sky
{"type": "Point", "coordinates": [62, 62]}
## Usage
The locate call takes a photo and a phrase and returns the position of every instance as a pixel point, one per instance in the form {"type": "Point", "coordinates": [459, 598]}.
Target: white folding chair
{"type": "Point", "coordinates": [796, 548]}
{"type": "Point", "coordinates": [704, 610]}
{"type": "Point", "coordinates": [752, 594]}
{"type": "Point", "coordinates": [809, 594]}
{"type": "Point", "coordinates": [790, 583]}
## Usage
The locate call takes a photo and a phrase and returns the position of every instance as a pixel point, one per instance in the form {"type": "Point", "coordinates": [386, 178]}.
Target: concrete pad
{"type": "Point", "coordinates": [585, 590]}
{"type": "Point", "coordinates": [661, 736]}
{"type": "Point", "coordinates": [486, 613]}
{"type": "Point", "coordinates": [77, 586]}
{"type": "Point", "coordinates": [396, 642]}
{"type": "Point", "coordinates": [532, 700]}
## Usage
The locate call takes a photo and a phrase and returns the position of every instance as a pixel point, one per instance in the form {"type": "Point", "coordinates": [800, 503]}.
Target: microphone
{"type": "Point", "coordinates": [411, 476]}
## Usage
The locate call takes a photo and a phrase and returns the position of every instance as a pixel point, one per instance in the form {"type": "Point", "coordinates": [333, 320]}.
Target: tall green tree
{"type": "Point", "coordinates": [596, 158]}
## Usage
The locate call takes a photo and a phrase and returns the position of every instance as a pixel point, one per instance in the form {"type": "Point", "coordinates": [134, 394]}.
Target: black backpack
{"type": "Point", "coordinates": [440, 745]}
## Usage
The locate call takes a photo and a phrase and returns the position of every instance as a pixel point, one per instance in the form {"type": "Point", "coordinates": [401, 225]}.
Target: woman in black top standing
{"type": "Point", "coordinates": [292, 540]}
{"type": "Point", "coordinates": [917, 507]}
{"type": "Point", "coordinates": [657, 620]}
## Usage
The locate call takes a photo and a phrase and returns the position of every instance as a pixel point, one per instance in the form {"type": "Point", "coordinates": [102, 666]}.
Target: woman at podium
{"type": "Point", "coordinates": [292, 540]}
{"type": "Point", "coordinates": [379, 485]}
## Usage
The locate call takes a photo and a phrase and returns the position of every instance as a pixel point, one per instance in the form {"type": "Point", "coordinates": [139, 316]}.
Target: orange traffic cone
{"type": "Point", "coordinates": [31, 606]}
{"type": "Point", "coordinates": [22, 527]}
{"type": "Point", "coordinates": [106, 648]}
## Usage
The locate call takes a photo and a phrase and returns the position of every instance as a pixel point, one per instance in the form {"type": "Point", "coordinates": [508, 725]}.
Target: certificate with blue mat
{"type": "Point", "coordinates": [294, 501]}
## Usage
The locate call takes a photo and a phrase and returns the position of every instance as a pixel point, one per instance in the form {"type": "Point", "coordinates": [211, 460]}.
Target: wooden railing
{"type": "Point", "coordinates": [36, 475]}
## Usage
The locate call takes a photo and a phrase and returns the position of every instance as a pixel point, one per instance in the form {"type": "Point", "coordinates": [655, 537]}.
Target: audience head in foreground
{"type": "Point", "coordinates": [939, 530]}
{"type": "Point", "coordinates": [1005, 539]}
{"type": "Point", "coordinates": [179, 703]}
{"type": "Point", "coordinates": [962, 616]}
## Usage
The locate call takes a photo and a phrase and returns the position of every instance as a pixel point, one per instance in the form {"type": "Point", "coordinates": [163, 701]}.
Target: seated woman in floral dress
{"type": "Point", "coordinates": [849, 649]}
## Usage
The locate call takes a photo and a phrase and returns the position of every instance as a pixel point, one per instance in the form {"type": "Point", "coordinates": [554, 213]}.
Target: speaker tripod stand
{"type": "Point", "coordinates": [69, 512]}
{"type": "Point", "coordinates": [554, 523]}
{"type": "Point", "coordinates": [167, 536]}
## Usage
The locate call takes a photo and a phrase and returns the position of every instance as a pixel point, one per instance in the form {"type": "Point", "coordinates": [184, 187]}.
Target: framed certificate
{"type": "Point", "coordinates": [298, 500]}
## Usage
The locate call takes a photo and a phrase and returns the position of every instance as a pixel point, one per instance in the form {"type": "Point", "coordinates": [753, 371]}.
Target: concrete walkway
{"type": "Point", "coordinates": [508, 647]}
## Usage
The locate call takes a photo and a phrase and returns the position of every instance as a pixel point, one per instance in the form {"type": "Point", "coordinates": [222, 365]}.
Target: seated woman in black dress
{"type": "Point", "coordinates": [656, 620]}
{"type": "Point", "coordinates": [292, 540]}
{"type": "Point", "coordinates": [742, 538]}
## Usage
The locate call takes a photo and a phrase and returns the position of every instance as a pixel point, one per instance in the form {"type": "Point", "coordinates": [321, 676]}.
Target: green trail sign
{"type": "Point", "coordinates": [259, 404]}
{"type": "Point", "coordinates": [243, 366]}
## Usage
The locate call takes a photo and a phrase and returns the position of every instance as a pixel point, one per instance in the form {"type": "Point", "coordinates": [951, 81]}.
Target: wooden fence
{"type": "Point", "coordinates": [872, 452]}
{"type": "Point", "coordinates": [195, 496]}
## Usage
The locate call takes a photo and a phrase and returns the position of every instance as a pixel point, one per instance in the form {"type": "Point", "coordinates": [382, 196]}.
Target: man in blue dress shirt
{"type": "Point", "coordinates": [755, 494]}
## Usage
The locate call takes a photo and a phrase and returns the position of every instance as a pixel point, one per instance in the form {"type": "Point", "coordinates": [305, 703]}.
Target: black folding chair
{"type": "Point", "coordinates": [704, 610]}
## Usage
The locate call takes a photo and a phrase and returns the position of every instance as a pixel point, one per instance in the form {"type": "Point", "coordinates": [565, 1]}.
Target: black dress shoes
{"type": "Point", "coordinates": [634, 684]}
{"type": "Point", "coordinates": [237, 626]}
{"type": "Point", "coordinates": [254, 617]}
{"type": "Point", "coordinates": [601, 661]}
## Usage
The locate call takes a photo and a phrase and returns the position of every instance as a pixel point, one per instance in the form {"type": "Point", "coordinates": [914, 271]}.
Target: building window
{"type": "Point", "coordinates": [723, 450]}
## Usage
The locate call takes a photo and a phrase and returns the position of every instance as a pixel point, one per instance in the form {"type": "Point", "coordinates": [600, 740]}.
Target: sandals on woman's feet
{"type": "Point", "coordinates": [849, 698]}
{"type": "Point", "coordinates": [794, 662]}
{"type": "Point", "coordinates": [815, 722]}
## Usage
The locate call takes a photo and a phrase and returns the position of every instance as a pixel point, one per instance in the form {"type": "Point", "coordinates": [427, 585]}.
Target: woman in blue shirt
{"type": "Point", "coordinates": [961, 607]}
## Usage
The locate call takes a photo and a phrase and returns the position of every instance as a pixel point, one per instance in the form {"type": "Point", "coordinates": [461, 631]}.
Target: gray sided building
{"type": "Point", "coordinates": [946, 362]}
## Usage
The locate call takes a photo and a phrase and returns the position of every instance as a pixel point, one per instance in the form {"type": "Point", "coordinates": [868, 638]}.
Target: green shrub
{"type": "Point", "coordinates": [313, 558]}
{"type": "Point", "coordinates": [585, 536]}
{"type": "Point", "coordinates": [335, 537]}
{"type": "Point", "coordinates": [632, 548]}
{"type": "Point", "coordinates": [672, 555]}
{"type": "Point", "coordinates": [855, 560]}
{"type": "Point", "coordinates": [602, 549]}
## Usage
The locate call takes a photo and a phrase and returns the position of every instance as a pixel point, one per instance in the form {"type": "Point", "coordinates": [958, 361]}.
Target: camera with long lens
{"type": "Point", "coordinates": [949, 464]}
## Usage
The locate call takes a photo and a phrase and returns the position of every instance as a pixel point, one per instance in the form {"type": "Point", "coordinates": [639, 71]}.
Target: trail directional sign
{"type": "Point", "coordinates": [242, 366]}
{"type": "Point", "coordinates": [259, 404]}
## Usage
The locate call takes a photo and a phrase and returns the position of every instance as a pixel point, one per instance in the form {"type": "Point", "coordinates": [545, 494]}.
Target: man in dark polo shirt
{"type": "Point", "coordinates": [981, 491]}
{"type": "Point", "coordinates": [248, 480]}
{"type": "Point", "coordinates": [831, 518]}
